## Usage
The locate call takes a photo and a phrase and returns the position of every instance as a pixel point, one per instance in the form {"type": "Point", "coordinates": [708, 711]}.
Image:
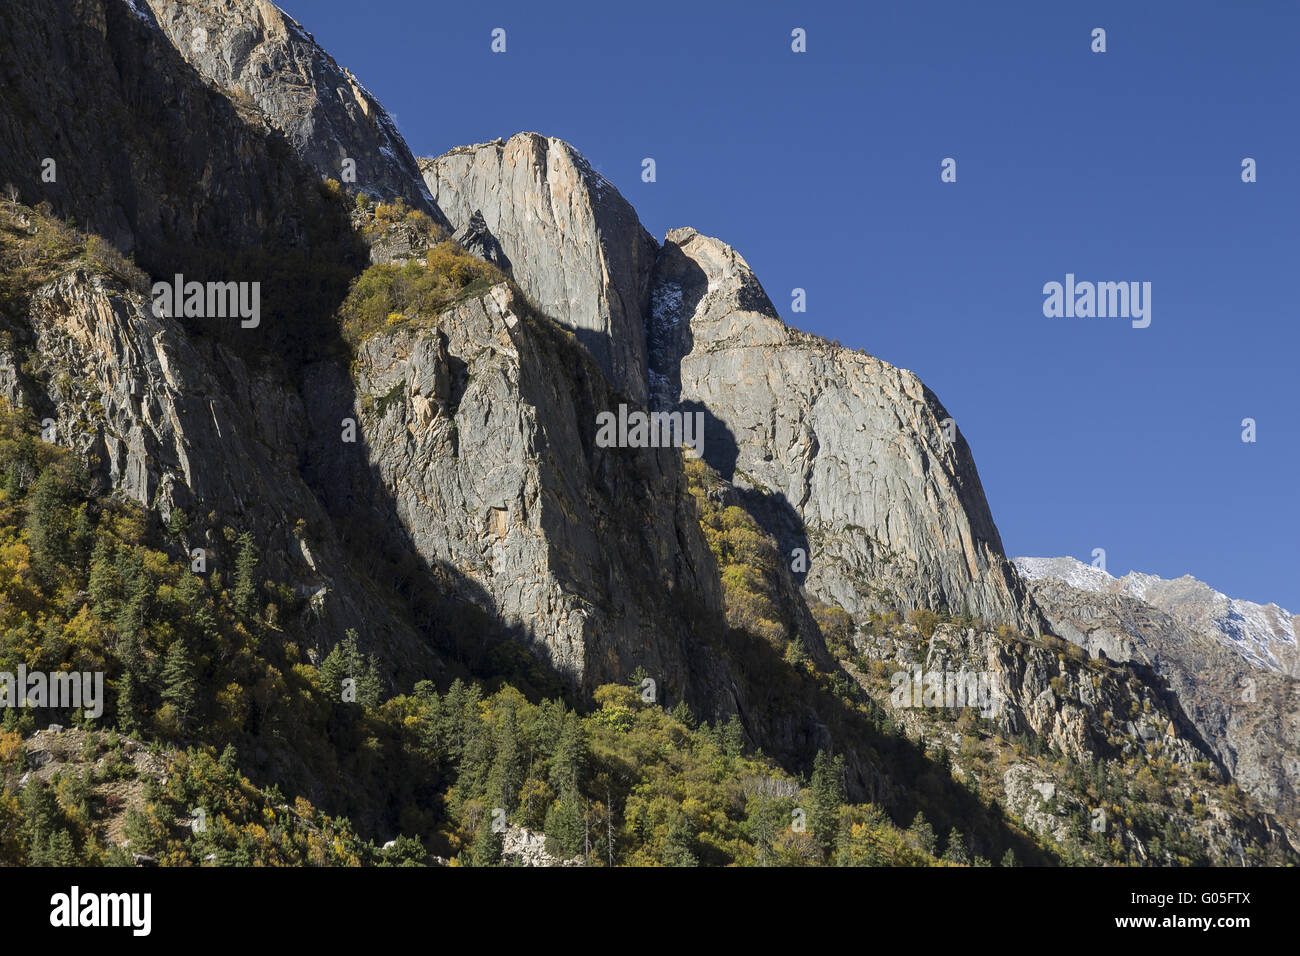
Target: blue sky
{"type": "Point", "coordinates": [822, 169]}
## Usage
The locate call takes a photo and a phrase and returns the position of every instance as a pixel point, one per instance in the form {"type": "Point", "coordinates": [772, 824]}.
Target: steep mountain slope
{"type": "Point", "coordinates": [259, 54]}
{"type": "Point", "coordinates": [843, 456]}
{"type": "Point", "coordinates": [180, 424]}
{"type": "Point", "coordinates": [1247, 711]}
{"type": "Point", "coordinates": [145, 154]}
{"type": "Point", "coordinates": [408, 439]}
{"type": "Point", "coordinates": [1098, 758]}
{"type": "Point", "coordinates": [476, 425]}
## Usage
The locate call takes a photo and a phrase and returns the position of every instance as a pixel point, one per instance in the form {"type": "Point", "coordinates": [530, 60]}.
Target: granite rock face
{"type": "Point", "coordinates": [261, 56]}
{"type": "Point", "coordinates": [845, 457]}
{"type": "Point", "coordinates": [477, 239]}
{"type": "Point", "coordinates": [480, 428]}
{"type": "Point", "coordinates": [145, 153]}
{"type": "Point", "coordinates": [574, 244]}
{"type": "Point", "coordinates": [174, 422]}
{"type": "Point", "coordinates": [1091, 711]}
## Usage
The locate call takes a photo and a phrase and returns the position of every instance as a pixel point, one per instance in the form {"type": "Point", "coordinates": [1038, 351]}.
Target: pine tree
{"type": "Point", "coordinates": [563, 827]}
{"type": "Point", "coordinates": [137, 591]}
{"type": "Point", "coordinates": [568, 762]}
{"type": "Point", "coordinates": [922, 833]}
{"type": "Point", "coordinates": [104, 587]}
{"type": "Point", "coordinates": [1009, 858]}
{"type": "Point", "coordinates": [130, 712]}
{"type": "Point", "coordinates": [22, 468]}
{"type": "Point", "coordinates": [178, 683]}
{"type": "Point", "coordinates": [345, 662]}
{"type": "Point", "coordinates": [486, 848]}
{"type": "Point", "coordinates": [229, 759]}
{"type": "Point", "coordinates": [245, 593]}
{"type": "Point", "coordinates": [682, 714]}
{"type": "Point", "coordinates": [507, 774]}
{"type": "Point", "coordinates": [733, 737]}
{"type": "Point", "coordinates": [956, 851]}
{"type": "Point", "coordinates": [48, 525]}
{"type": "Point", "coordinates": [828, 796]}
{"type": "Point", "coordinates": [370, 689]}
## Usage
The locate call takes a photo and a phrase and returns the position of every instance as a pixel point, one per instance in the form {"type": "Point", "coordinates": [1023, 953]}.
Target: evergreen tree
{"type": "Point", "coordinates": [733, 737]}
{"type": "Point", "coordinates": [507, 774]}
{"type": "Point", "coordinates": [345, 662]}
{"type": "Point", "coordinates": [486, 848]}
{"type": "Point", "coordinates": [678, 847]}
{"type": "Point", "coordinates": [1009, 858]}
{"type": "Point", "coordinates": [922, 833]}
{"type": "Point", "coordinates": [178, 525]}
{"type": "Point", "coordinates": [827, 797]}
{"type": "Point", "coordinates": [137, 593]}
{"type": "Point", "coordinates": [22, 470]}
{"type": "Point", "coordinates": [130, 712]}
{"type": "Point", "coordinates": [229, 759]}
{"type": "Point", "coordinates": [104, 586]}
{"type": "Point", "coordinates": [569, 759]}
{"type": "Point", "coordinates": [563, 827]}
{"type": "Point", "coordinates": [682, 714]}
{"type": "Point", "coordinates": [195, 606]}
{"type": "Point", "coordinates": [178, 683]}
{"type": "Point", "coordinates": [956, 851]}
{"type": "Point", "coordinates": [245, 593]}
{"type": "Point", "coordinates": [48, 525]}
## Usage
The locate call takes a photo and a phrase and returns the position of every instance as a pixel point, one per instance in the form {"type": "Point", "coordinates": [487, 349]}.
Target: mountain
{"type": "Point", "coordinates": [839, 454]}
{"type": "Point", "coordinates": [573, 244]}
{"type": "Point", "coordinates": [1229, 662]}
{"type": "Point", "coordinates": [1263, 634]}
{"type": "Point", "coordinates": [371, 554]}
{"type": "Point", "coordinates": [264, 59]}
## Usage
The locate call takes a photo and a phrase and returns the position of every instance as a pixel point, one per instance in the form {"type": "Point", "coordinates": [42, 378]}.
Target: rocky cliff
{"type": "Point", "coordinates": [264, 58]}
{"type": "Point", "coordinates": [838, 454]}
{"type": "Point", "coordinates": [107, 123]}
{"type": "Point", "coordinates": [436, 483]}
{"type": "Point", "coordinates": [479, 427]}
{"type": "Point", "coordinates": [1084, 752]}
{"type": "Point", "coordinates": [843, 457]}
{"type": "Point", "coordinates": [183, 426]}
{"type": "Point", "coordinates": [572, 242]}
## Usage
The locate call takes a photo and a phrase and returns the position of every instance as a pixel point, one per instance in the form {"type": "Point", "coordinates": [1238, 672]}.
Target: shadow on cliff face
{"type": "Point", "coordinates": [452, 614]}
{"type": "Point", "coordinates": [771, 509]}
{"type": "Point", "coordinates": [170, 170]}
{"type": "Point", "coordinates": [792, 714]}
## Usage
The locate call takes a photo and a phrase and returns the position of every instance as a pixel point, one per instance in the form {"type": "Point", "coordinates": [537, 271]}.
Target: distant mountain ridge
{"type": "Point", "coordinates": [1263, 634]}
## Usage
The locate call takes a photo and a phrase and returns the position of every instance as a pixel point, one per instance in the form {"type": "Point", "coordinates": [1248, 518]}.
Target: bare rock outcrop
{"type": "Point", "coordinates": [177, 423]}
{"type": "Point", "coordinates": [261, 56]}
{"type": "Point", "coordinates": [846, 458]}
{"type": "Point", "coordinates": [574, 244]}
{"type": "Point", "coordinates": [480, 428]}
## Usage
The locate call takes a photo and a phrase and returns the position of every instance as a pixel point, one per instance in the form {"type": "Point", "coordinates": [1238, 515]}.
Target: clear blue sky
{"type": "Point", "coordinates": [822, 169]}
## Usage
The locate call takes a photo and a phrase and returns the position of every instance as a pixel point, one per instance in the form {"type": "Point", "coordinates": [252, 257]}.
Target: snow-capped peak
{"type": "Point", "coordinates": [1072, 571]}
{"type": "Point", "coordinates": [1258, 632]}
